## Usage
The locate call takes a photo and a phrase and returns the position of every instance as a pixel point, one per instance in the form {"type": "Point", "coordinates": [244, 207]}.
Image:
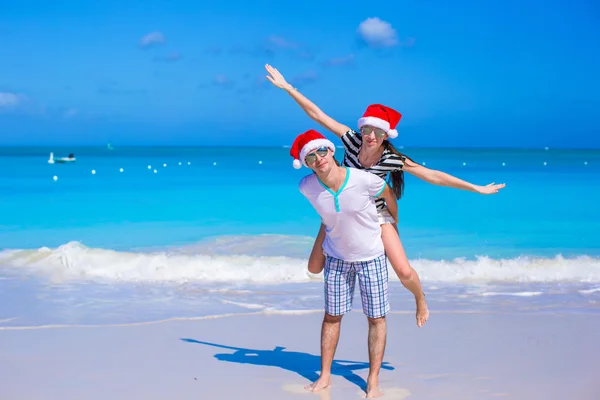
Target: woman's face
{"type": "Point", "coordinates": [372, 137]}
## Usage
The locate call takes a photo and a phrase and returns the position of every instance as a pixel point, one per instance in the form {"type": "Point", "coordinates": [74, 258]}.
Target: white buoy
{"type": "Point", "coordinates": [464, 163]}
{"type": "Point", "coordinates": [260, 162]}
{"type": "Point", "coordinates": [55, 178]}
{"type": "Point", "coordinates": [120, 169]}
{"type": "Point", "coordinates": [545, 163]}
{"type": "Point", "coordinates": [215, 163]}
{"type": "Point", "coordinates": [545, 148]}
{"type": "Point", "coordinates": [585, 163]}
{"type": "Point", "coordinates": [149, 166]}
{"type": "Point", "coordinates": [155, 171]}
{"type": "Point", "coordinates": [179, 162]}
{"type": "Point", "coordinates": [424, 163]}
{"type": "Point", "coordinates": [165, 164]}
{"type": "Point", "coordinates": [189, 163]}
{"type": "Point", "coordinates": [503, 164]}
{"type": "Point", "coordinates": [93, 172]}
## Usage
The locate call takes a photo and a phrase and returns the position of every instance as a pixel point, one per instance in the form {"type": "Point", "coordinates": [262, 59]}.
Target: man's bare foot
{"type": "Point", "coordinates": [422, 312]}
{"type": "Point", "coordinates": [373, 392]}
{"type": "Point", "coordinates": [321, 383]}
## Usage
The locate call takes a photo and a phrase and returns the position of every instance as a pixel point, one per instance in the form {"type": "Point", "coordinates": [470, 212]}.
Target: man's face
{"type": "Point", "coordinates": [320, 160]}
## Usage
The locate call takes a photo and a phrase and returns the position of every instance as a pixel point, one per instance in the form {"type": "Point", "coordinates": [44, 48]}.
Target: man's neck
{"type": "Point", "coordinates": [334, 179]}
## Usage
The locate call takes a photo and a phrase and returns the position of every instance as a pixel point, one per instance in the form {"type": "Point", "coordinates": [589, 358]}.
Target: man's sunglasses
{"type": "Point", "coordinates": [366, 131]}
{"type": "Point", "coordinates": [312, 157]}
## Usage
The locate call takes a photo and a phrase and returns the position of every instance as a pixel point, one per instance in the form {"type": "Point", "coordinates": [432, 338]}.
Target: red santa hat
{"type": "Point", "coordinates": [381, 117]}
{"type": "Point", "coordinates": [306, 143]}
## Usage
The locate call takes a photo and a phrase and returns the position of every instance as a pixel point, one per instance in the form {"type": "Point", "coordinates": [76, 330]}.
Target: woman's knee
{"type": "Point", "coordinates": [395, 252]}
{"type": "Point", "coordinates": [402, 268]}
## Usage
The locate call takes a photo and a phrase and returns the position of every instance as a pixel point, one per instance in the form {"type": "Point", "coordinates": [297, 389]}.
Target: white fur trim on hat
{"type": "Point", "coordinates": [297, 164]}
{"type": "Point", "coordinates": [312, 145]}
{"type": "Point", "coordinates": [378, 123]}
{"type": "Point", "coordinates": [392, 134]}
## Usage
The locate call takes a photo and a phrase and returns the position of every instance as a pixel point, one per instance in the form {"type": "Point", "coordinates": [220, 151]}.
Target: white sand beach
{"type": "Point", "coordinates": [269, 356]}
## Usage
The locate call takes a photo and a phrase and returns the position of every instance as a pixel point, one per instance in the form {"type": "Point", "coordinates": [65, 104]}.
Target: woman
{"type": "Point", "coordinates": [371, 150]}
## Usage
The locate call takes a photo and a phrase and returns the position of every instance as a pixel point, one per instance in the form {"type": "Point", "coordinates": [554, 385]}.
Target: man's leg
{"type": "Point", "coordinates": [330, 336]}
{"type": "Point", "coordinates": [377, 341]}
{"type": "Point", "coordinates": [373, 280]}
{"type": "Point", "coordinates": [339, 281]}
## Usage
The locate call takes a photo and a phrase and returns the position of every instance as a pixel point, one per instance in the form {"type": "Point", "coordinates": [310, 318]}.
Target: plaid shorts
{"type": "Point", "coordinates": [340, 279]}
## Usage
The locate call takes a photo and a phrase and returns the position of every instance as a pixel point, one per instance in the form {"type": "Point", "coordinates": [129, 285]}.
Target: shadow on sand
{"type": "Point", "coordinates": [304, 364]}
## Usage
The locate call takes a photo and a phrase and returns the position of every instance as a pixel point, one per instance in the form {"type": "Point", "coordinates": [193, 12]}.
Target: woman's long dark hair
{"type": "Point", "coordinates": [396, 178]}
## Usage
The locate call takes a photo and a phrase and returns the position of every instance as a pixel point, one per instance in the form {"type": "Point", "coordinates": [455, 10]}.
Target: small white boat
{"type": "Point", "coordinates": [61, 160]}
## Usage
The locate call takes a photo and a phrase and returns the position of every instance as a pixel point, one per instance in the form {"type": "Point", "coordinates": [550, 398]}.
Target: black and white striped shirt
{"type": "Point", "coordinates": [389, 162]}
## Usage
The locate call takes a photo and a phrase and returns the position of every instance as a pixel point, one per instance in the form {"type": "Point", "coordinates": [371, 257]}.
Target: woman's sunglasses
{"type": "Point", "coordinates": [312, 157]}
{"type": "Point", "coordinates": [366, 131]}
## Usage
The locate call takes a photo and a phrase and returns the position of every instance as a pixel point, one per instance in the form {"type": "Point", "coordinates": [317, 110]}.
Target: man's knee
{"type": "Point", "coordinates": [332, 319]}
{"type": "Point", "coordinates": [377, 321]}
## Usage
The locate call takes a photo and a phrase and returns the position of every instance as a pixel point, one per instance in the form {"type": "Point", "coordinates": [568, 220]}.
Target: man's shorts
{"type": "Point", "coordinates": [340, 278]}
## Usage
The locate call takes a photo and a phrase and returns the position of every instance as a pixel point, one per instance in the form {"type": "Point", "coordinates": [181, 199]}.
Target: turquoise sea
{"type": "Point", "coordinates": [185, 232]}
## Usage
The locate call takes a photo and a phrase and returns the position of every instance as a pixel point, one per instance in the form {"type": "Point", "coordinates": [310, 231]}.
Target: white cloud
{"type": "Point", "coordinates": [153, 38]}
{"type": "Point", "coordinates": [171, 57]}
{"type": "Point", "coordinates": [282, 43]}
{"type": "Point", "coordinates": [340, 61]}
{"type": "Point", "coordinates": [378, 33]}
{"type": "Point", "coordinates": [223, 81]}
{"type": "Point", "coordinates": [71, 112]}
{"type": "Point", "coordinates": [8, 99]}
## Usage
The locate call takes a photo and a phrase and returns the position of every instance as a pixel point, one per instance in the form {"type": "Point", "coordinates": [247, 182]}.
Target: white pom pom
{"type": "Point", "coordinates": [297, 164]}
{"type": "Point", "coordinates": [392, 134]}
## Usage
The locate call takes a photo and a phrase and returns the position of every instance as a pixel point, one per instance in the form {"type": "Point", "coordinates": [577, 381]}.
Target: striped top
{"type": "Point", "coordinates": [389, 162]}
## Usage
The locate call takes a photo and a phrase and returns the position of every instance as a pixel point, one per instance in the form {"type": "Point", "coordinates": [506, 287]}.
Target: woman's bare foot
{"type": "Point", "coordinates": [422, 312]}
{"type": "Point", "coordinates": [321, 383]}
{"type": "Point", "coordinates": [373, 392]}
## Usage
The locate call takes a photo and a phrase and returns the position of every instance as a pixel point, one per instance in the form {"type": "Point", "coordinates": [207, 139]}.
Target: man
{"type": "Point", "coordinates": [344, 198]}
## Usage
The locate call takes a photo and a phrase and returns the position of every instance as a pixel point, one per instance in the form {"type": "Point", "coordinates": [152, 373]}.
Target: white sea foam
{"type": "Point", "coordinates": [518, 294]}
{"type": "Point", "coordinates": [589, 291]}
{"type": "Point", "coordinates": [74, 261]}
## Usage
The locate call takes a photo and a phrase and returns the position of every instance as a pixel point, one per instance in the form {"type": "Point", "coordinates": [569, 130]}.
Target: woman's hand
{"type": "Point", "coordinates": [492, 188]}
{"type": "Point", "coordinates": [276, 78]}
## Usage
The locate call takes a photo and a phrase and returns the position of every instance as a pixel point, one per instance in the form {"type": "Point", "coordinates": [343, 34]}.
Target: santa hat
{"type": "Point", "coordinates": [305, 143]}
{"type": "Point", "coordinates": [381, 117]}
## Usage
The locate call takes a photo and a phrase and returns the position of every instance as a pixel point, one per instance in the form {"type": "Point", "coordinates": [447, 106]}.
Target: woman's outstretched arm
{"type": "Point", "coordinates": [308, 106]}
{"type": "Point", "coordinates": [443, 179]}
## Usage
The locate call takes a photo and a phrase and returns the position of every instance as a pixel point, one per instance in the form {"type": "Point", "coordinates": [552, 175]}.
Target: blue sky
{"type": "Point", "coordinates": [462, 73]}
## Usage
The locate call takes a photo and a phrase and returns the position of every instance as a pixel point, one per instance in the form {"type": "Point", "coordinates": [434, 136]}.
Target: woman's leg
{"type": "Point", "coordinates": [407, 275]}
{"type": "Point", "coordinates": [316, 262]}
